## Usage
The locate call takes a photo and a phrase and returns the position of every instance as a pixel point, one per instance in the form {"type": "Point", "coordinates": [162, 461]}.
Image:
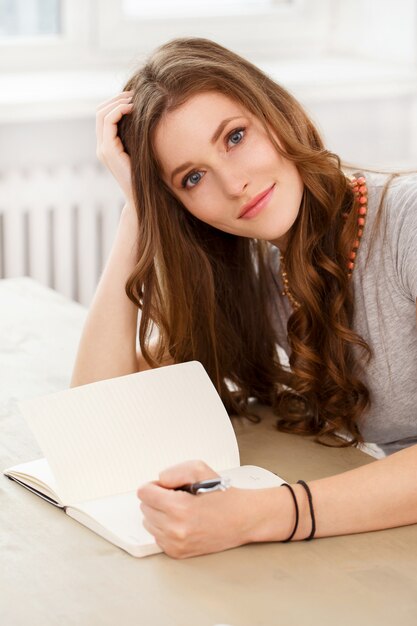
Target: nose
{"type": "Point", "coordinates": [234, 183]}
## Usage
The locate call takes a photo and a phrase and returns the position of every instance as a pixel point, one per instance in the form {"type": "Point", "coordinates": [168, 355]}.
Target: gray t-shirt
{"type": "Point", "coordinates": [385, 291]}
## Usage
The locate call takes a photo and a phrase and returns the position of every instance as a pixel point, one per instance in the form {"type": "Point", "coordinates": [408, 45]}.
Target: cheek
{"type": "Point", "coordinates": [211, 213]}
{"type": "Point", "coordinates": [261, 156]}
{"type": "Point", "coordinates": [204, 203]}
{"type": "Point", "coordinates": [200, 208]}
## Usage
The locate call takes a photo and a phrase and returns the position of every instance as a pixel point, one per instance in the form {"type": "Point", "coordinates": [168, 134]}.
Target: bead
{"type": "Point", "coordinates": [360, 192]}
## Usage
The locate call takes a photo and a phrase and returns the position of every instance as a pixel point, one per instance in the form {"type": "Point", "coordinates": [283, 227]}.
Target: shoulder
{"type": "Point", "coordinates": [392, 226]}
{"type": "Point", "coordinates": [399, 193]}
{"type": "Point", "coordinates": [392, 204]}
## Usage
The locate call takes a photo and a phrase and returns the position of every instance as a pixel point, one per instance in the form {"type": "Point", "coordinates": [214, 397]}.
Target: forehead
{"type": "Point", "coordinates": [181, 134]}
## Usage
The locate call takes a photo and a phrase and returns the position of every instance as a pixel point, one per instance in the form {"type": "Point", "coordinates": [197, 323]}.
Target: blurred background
{"type": "Point", "coordinates": [351, 63]}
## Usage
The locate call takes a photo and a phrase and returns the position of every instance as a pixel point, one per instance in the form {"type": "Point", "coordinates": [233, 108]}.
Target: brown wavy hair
{"type": "Point", "coordinates": [208, 292]}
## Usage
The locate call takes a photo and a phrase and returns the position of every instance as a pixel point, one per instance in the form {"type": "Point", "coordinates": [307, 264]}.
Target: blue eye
{"type": "Point", "coordinates": [236, 134]}
{"type": "Point", "coordinates": [194, 178]}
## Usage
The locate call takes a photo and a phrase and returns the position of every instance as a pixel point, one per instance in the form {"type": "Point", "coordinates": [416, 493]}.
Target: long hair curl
{"type": "Point", "coordinates": [208, 292]}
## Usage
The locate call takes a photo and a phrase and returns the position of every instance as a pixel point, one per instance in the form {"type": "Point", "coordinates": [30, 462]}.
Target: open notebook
{"type": "Point", "coordinates": [102, 440]}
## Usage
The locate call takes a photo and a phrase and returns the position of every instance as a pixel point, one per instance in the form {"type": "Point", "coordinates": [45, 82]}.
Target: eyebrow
{"type": "Point", "coordinates": [213, 140]}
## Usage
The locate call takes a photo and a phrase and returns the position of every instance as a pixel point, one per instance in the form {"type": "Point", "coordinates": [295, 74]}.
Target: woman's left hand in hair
{"type": "Point", "coordinates": [185, 525]}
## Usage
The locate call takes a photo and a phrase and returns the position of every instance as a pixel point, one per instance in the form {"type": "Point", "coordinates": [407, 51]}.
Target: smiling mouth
{"type": "Point", "coordinates": [257, 203]}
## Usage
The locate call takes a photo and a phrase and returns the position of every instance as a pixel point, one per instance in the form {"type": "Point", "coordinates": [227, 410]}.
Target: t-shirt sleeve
{"type": "Point", "coordinates": [405, 235]}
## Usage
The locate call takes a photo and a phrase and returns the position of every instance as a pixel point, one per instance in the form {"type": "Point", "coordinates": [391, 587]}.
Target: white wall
{"type": "Point", "coordinates": [351, 63]}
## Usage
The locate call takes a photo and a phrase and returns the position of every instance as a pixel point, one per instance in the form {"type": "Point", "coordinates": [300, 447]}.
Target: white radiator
{"type": "Point", "coordinates": [57, 225]}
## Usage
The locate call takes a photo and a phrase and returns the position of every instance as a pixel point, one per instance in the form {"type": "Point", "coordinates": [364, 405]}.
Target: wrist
{"type": "Point", "coordinates": [274, 515]}
{"type": "Point", "coordinates": [128, 228]}
{"type": "Point", "coordinates": [129, 212]}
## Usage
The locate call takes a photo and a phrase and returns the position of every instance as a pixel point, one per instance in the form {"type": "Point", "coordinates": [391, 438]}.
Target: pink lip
{"type": "Point", "coordinates": [257, 204]}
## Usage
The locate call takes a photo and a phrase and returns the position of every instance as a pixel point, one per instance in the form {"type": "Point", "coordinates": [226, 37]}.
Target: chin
{"type": "Point", "coordinates": [277, 231]}
{"type": "Point", "coordinates": [270, 234]}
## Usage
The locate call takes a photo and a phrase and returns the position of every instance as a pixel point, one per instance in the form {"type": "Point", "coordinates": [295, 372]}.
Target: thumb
{"type": "Point", "coordinates": [185, 473]}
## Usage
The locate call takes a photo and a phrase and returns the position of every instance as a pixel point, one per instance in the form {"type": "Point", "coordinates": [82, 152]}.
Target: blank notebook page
{"type": "Point", "coordinates": [110, 436]}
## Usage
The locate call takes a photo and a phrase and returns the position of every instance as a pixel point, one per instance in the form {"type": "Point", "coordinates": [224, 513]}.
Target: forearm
{"type": "Point", "coordinates": [107, 347]}
{"type": "Point", "coordinates": [382, 494]}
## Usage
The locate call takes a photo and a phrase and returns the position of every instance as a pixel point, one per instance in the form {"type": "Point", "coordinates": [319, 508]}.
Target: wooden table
{"type": "Point", "coordinates": [55, 571]}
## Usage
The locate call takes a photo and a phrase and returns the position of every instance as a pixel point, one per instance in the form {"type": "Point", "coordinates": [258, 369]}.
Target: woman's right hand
{"type": "Point", "coordinates": [110, 149]}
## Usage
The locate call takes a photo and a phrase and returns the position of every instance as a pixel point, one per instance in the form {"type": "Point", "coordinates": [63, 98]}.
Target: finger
{"type": "Point", "coordinates": [159, 498]}
{"type": "Point", "coordinates": [154, 516]}
{"type": "Point", "coordinates": [159, 536]}
{"type": "Point", "coordinates": [123, 94]}
{"type": "Point", "coordinates": [186, 472]}
{"type": "Point", "coordinates": [105, 108]}
{"type": "Point", "coordinates": [151, 528]}
{"type": "Point", "coordinates": [168, 536]}
{"type": "Point", "coordinates": [108, 105]}
{"type": "Point", "coordinates": [109, 116]}
{"type": "Point", "coordinates": [109, 133]}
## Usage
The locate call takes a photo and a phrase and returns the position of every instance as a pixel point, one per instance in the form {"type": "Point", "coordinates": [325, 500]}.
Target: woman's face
{"type": "Point", "coordinates": [217, 158]}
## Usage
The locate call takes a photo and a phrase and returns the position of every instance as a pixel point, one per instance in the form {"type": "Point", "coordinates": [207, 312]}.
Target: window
{"type": "Point", "coordinates": [105, 34]}
{"type": "Point", "coordinates": [28, 18]}
{"type": "Point", "coordinates": [41, 35]}
{"type": "Point", "coordinates": [38, 35]}
{"type": "Point", "coordinates": [190, 8]}
{"type": "Point", "coordinates": [257, 28]}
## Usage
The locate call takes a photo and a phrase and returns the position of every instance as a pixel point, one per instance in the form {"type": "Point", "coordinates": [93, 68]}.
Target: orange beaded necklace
{"type": "Point", "coordinates": [360, 193]}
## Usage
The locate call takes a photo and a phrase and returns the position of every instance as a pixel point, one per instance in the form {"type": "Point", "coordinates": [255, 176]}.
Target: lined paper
{"type": "Point", "coordinates": [110, 436]}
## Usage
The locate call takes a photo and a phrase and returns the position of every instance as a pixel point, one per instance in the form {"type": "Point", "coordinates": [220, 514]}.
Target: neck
{"type": "Point", "coordinates": [280, 243]}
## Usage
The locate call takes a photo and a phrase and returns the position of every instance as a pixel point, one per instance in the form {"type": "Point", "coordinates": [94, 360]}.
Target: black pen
{"type": "Point", "coordinates": [206, 486]}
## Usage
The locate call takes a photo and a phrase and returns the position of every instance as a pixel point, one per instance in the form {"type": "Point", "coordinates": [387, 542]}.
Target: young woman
{"type": "Point", "coordinates": [242, 233]}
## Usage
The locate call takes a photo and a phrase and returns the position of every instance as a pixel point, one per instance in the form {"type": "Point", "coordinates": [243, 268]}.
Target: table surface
{"type": "Point", "coordinates": [53, 570]}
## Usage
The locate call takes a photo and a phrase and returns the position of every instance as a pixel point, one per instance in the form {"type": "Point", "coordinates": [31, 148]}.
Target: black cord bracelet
{"type": "Point", "coordinates": [310, 502]}
{"type": "Point", "coordinates": [296, 512]}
